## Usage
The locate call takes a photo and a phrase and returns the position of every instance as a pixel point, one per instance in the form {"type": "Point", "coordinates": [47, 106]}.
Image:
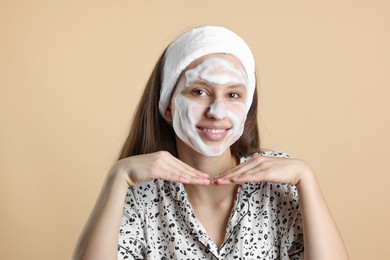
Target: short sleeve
{"type": "Point", "coordinates": [292, 241]}
{"type": "Point", "coordinates": [131, 241]}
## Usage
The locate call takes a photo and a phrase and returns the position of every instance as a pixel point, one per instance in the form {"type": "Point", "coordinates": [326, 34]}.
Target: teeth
{"type": "Point", "coordinates": [214, 131]}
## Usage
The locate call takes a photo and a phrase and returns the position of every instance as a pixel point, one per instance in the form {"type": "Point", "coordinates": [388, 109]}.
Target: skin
{"type": "Point", "coordinates": [197, 93]}
{"type": "Point", "coordinates": [98, 240]}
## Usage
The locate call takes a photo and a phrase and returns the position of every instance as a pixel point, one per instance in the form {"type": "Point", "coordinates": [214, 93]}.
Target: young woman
{"type": "Point", "coordinates": [191, 181]}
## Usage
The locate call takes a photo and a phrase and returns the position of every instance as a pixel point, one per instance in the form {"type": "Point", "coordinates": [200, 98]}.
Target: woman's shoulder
{"type": "Point", "coordinates": [149, 197]}
{"type": "Point", "coordinates": [274, 153]}
{"type": "Point", "coordinates": [145, 192]}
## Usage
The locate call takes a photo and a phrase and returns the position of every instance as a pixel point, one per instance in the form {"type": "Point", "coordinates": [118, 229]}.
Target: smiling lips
{"type": "Point", "coordinates": [213, 134]}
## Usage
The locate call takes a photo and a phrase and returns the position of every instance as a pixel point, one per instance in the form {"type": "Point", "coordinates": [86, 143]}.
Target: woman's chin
{"type": "Point", "coordinates": [212, 150]}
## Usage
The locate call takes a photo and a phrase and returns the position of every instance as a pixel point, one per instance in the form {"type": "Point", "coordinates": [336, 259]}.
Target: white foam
{"type": "Point", "coordinates": [188, 113]}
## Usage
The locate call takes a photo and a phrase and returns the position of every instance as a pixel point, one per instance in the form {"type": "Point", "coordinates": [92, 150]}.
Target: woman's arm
{"type": "Point", "coordinates": [322, 240]}
{"type": "Point", "coordinates": [99, 238]}
{"type": "Point", "coordinates": [321, 236]}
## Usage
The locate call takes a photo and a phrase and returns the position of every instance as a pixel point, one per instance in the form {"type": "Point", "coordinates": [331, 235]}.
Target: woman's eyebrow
{"type": "Point", "coordinates": [237, 86]}
{"type": "Point", "coordinates": [201, 82]}
{"type": "Point", "coordinates": [206, 83]}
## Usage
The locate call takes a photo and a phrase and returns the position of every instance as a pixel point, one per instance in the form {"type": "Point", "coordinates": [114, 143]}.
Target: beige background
{"type": "Point", "coordinates": [71, 73]}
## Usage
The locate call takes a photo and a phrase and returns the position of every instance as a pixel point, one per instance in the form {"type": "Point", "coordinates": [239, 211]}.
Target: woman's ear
{"type": "Point", "coordinates": [168, 115]}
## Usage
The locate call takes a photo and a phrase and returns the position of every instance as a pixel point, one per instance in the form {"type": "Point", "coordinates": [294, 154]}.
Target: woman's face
{"type": "Point", "coordinates": [209, 104]}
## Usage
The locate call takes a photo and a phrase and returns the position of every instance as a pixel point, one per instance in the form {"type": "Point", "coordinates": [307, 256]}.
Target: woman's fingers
{"type": "Point", "coordinates": [163, 165]}
{"type": "Point", "coordinates": [159, 165]}
{"type": "Point", "coordinates": [267, 169]}
{"type": "Point", "coordinates": [245, 168]}
{"type": "Point", "coordinates": [191, 171]}
{"type": "Point", "coordinates": [183, 175]}
{"type": "Point", "coordinates": [186, 174]}
{"type": "Point", "coordinates": [249, 175]}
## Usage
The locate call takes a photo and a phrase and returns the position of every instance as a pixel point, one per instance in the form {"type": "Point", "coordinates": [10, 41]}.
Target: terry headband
{"type": "Point", "coordinates": [199, 42]}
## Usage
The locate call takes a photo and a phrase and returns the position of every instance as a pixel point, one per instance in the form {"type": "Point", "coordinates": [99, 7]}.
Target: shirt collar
{"type": "Point", "coordinates": [240, 209]}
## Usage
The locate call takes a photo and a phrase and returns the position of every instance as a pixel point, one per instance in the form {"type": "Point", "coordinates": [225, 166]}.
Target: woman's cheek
{"type": "Point", "coordinates": [237, 108]}
{"type": "Point", "coordinates": [195, 111]}
{"type": "Point", "coordinates": [237, 111]}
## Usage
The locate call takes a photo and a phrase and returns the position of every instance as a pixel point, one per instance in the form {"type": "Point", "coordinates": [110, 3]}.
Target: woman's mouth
{"type": "Point", "coordinates": [213, 130]}
{"type": "Point", "coordinates": [213, 134]}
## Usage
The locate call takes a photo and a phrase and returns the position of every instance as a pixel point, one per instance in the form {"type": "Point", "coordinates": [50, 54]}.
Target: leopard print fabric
{"type": "Point", "coordinates": [158, 223]}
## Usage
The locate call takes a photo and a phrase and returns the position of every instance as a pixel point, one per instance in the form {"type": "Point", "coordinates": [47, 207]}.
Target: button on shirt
{"type": "Point", "coordinates": [158, 222]}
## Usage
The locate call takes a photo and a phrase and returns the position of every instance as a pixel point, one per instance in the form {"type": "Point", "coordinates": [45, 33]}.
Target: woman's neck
{"type": "Point", "coordinates": [216, 195]}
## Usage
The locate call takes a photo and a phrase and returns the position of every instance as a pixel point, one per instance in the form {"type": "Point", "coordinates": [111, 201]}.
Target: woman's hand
{"type": "Point", "coordinates": [158, 165]}
{"type": "Point", "coordinates": [267, 169]}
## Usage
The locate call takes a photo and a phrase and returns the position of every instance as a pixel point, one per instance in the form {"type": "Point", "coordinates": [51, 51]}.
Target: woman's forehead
{"type": "Point", "coordinates": [224, 56]}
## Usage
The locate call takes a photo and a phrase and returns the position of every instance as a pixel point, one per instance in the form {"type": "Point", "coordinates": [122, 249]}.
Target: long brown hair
{"type": "Point", "coordinates": [150, 132]}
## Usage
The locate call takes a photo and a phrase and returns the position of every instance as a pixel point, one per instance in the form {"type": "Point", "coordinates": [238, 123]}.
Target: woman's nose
{"type": "Point", "coordinates": [217, 110]}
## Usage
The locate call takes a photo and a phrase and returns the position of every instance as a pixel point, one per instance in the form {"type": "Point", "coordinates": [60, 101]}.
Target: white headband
{"type": "Point", "coordinates": [199, 42]}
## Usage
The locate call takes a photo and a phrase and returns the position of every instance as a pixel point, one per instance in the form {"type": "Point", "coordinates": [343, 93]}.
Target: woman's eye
{"type": "Point", "coordinates": [233, 95]}
{"type": "Point", "coordinates": [199, 92]}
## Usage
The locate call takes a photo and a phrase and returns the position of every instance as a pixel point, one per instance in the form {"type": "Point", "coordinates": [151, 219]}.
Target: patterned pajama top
{"type": "Point", "coordinates": [158, 222]}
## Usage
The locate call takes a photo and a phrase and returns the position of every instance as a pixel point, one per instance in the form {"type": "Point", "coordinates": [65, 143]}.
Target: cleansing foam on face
{"type": "Point", "coordinates": [206, 120]}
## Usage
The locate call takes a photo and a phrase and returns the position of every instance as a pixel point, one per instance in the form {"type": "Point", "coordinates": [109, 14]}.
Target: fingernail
{"type": "Point", "coordinates": [218, 181]}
